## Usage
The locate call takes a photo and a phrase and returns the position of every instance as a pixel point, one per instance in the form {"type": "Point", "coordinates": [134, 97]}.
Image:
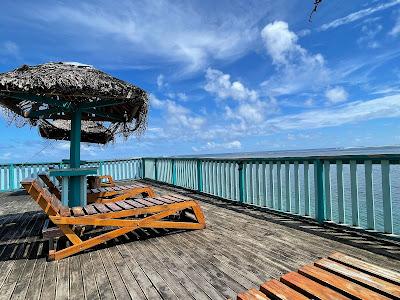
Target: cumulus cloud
{"type": "Point", "coordinates": [220, 84]}
{"type": "Point", "coordinates": [336, 95]}
{"type": "Point", "coordinates": [359, 15]}
{"type": "Point", "coordinates": [248, 107]}
{"type": "Point", "coordinates": [297, 69]}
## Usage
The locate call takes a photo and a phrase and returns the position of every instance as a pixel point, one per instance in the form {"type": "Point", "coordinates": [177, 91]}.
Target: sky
{"type": "Point", "coordinates": [223, 76]}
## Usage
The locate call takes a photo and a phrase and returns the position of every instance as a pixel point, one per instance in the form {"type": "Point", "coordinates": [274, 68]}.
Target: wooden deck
{"type": "Point", "coordinates": [240, 249]}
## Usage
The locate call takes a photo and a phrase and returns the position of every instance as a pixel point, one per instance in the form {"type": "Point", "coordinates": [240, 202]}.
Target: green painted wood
{"type": "Point", "coordinates": [264, 184]}
{"type": "Point", "coordinates": [75, 158]}
{"type": "Point", "coordinates": [320, 199]}
{"type": "Point", "coordinates": [279, 185]}
{"type": "Point", "coordinates": [355, 212]}
{"type": "Point", "coordinates": [296, 188]}
{"type": "Point", "coordinates": [251, 185]}
{"type": "Point", "coordinates": [369, 195]}
{"type": "Point", "coordinates": [199, 175]}
{"type": "Point", "coordinates": [71, 172]}
{"type": "Point", "coordinates": [155, 169]}
{"type": "Point", "coordinates": [257, 185]}
{"type": "Point", "coordinates": [11, 181]}
{"type": "Point", "coordinates": [143, 168]}
{"type": "Point", "coordinates": [271, 184]}
{"type": "Point", "coordinates": [287, 187]}
{"type": "Point", "coordinates": [327, 178]}
{"type": "Point", "coordinates": [340, 192]}
{"type": "Point", "coordinates": [100, 167]}
{"type": "Point", "coordinates": [387, 198]}
{"type": "Point", "coordinates": [173, 172]}
{"type": "Point", "coordinates": [241, 182]}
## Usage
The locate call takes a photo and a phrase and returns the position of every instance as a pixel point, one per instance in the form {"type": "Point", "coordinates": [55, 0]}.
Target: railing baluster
{"type": "Point", "coordinates": [250, 184]}
{"type": "Point", "coordinates": [386, 197]}
{"type": "Point", "coordinates": [369, 196]}
{"type": "Point", "coordinates": [296, 188]}
{"type": "Point", "coordinates": [355, 213]}
{"type": "Point", "coordinates": [340, 191]}
{"type": "Point", "coordinates": [327, 175]}
{"type": "Point", "coordinates": [287, 186]}
{"type": "Point", "coordinates": [257, 185]}
{"type": "Point", "coordinates": [271, 184]}
{"type": "Point", "coordinates": [279, 184]}
{"type": "Point", "coordinates": [264, 185]}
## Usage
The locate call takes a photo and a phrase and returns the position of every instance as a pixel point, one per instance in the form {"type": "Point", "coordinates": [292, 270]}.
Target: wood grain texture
{"type": "Point", "coordinates": [253, 246]}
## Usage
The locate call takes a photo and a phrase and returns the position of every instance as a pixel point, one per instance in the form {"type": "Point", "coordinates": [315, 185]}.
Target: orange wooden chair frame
{"type": "Point", "coordinates": [121, 215]}
{"type": "Point", "coordinates": [105, 195]}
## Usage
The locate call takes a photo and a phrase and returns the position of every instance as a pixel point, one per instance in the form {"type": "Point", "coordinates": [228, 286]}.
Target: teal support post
{"type": "Point", "coordinates": [100, 167]}
{"type": "Point", "coordinates": [241, 182]}
{"type": "Point", "coordinates": [320, 196]}
{"type": "Point", "coordinates": [199, 175]}
{"type": "Point", "coordinates": [11, 183]}
{"type": "Point", "coordinates": [143, 168]}
{"type": "Point", "coordinates": [75, 158]}
{"type": "Point", "coordinates": [155, 170]}
{"type": "Point", "coordinates": [173, 172]}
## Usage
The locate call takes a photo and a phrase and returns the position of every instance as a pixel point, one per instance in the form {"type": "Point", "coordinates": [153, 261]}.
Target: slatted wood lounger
{"type": "Point", "coordinates": [337, 277]}
{"type": "Point", "coordinates": [123, 216]}
{"type": "Point", "coordinates": [105, 194]}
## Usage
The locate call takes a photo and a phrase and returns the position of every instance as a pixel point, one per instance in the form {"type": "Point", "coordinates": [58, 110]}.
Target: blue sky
{"type": "Point", "coordinates": [224, 76]}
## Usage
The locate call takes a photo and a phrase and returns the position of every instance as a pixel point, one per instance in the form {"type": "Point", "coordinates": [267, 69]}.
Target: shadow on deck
{"type": "Point", "coordinates": [240, 248]}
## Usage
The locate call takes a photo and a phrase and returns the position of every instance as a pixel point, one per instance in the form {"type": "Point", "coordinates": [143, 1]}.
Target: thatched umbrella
{"type": "Point", "coordinates": [71, 101]}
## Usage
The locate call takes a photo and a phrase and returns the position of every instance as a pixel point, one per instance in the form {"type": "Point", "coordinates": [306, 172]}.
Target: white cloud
{"type": "Point", "coordinates": [233, 145]}
{"type": "Point", "coordinates": [160, 81]}
{"type": "Point", "coordinates": [220, 84]}
{"type": "Point", "coordinates": [189, 34]}
{"type": "Point", "coordinates": [11, 49]}
{"type": "Point", "coordinates": [396, 28]}
{"type": "Point", "coordinates": [384, 107]}
{"type": "Point", "coordinates": [155, 102]}
{"type": "Point", "coordinates": [359, 15]}
{"type": "Point", "coordinates": [369, 32]}
{"type": "Point", "coordinates": [248, 106]}
{"type": "Point", "coordinates": [297, 69]}
{"type": "Point", "coordinates": [336, 94]}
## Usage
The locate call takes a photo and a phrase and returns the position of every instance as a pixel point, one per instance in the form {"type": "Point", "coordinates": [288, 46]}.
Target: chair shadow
{"type": "Point", "coordinates": [20, 237]}
{"type": "Point", "coordinates": [333, 232]}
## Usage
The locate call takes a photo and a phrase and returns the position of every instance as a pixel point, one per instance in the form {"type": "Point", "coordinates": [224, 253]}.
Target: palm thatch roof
{"type": "Point", "coordinates": [39, 95]}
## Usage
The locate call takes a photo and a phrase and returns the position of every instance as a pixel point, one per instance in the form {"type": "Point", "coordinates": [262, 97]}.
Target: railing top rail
{"type": "Point", "coordinates": [58, 162]}
{"type": "Point", "coordinates": [376, 158]}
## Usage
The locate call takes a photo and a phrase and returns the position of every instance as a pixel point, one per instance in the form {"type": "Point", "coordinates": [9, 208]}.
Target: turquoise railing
{"type": "Point", "coordinates": [355, 191]}
{"type": "Point", "coordinates": [123, 169]}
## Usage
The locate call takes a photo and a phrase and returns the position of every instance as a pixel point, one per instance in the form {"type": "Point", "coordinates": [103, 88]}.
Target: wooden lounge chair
{"type": "Point", "coordinates": [122, 217]}
{"type": "Point", "coordinates": [105, 194]}
{"type": "Point", "coordinates": [338, 276]}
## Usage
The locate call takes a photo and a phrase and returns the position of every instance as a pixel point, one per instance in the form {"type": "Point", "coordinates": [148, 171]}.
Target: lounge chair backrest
{"type": "Point", "coordinates": [50, 185]}
{"type": "Point", "coordinates": [47, 201]}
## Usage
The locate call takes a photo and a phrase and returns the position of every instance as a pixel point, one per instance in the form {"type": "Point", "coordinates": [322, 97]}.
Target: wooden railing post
{"type": "Point", "coordinates": [319, 191]}
{"type": "Point", "coordinates": [143, 168]}
{"type": "Point", "coordinates": [241, 182]}
{"type": "Point", "coordinates": [173, 172]}
{"type": "Point", "coordinates": [100, 167]}
{"type": "Point", "coordinates": [11, 185]}
{"type": "Point", "coordinates": [199, 175]}
{"type": "Point", "coordinates": [155, 170]}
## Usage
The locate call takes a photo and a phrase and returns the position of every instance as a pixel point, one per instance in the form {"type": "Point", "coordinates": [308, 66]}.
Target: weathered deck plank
{"type": "Point", "coordinates": [239, 249]}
